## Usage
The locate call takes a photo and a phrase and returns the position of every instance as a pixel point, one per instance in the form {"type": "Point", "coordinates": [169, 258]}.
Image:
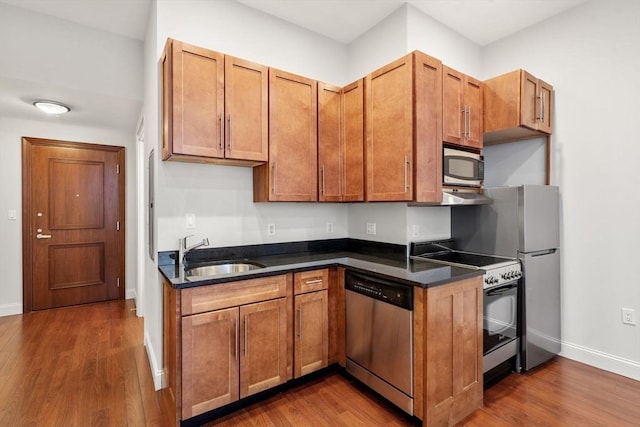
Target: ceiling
{"type": "Point", "coordinates": [481, 21]}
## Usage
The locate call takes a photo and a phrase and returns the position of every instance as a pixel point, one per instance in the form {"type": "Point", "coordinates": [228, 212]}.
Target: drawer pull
{"type": "Point", "coordinates": [313, 282]}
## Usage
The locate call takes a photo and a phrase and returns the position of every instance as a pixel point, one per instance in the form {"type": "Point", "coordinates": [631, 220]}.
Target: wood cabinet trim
{"type": "Point", "coordinates": [214, 297]}
{"type": "Point", "coordinates": [310, 281]}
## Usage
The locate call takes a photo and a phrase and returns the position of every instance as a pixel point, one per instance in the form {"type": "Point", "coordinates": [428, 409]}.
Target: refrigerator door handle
{"type": "Point", "coordinates": [543, 253]}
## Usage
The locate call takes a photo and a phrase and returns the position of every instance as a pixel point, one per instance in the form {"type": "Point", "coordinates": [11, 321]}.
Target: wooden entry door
{"type": "Point", "coordinates": [73, 223]}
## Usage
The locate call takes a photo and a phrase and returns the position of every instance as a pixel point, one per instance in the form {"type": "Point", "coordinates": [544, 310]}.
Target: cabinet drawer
{"type": "Point", "coordinates": [215, 297]}
{"type": "Point", "coordinates": [310, 281]}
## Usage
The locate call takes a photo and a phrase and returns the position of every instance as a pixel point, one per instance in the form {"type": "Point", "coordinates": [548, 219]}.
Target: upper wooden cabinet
{"type": "Point", "coordinates": [246, 109]}
{"type": "Point", "coordinates": [291, 174]}
{"type": "Point", "coordinates": [389, 131]}
{"type": "Point", "coordinates": [341, 142]}
{"type": "Point", "coordinates": [428, 129]}
{"type": "Point", "coordinates": [462, 107]}
{"type": "Point", "coordinates": [517, 105]}
{"type": "Point", "coordinates": [403, 116]}
{"type": "Point", "coordinates": [214, 108]}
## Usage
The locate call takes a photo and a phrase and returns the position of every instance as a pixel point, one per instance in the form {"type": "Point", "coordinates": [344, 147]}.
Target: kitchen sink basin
{"type": "Point", "coordinates": [222, 268]}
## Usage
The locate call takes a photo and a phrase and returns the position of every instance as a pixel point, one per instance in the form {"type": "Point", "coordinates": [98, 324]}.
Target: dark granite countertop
{"type": "Point", "coordinates": [379, 259]}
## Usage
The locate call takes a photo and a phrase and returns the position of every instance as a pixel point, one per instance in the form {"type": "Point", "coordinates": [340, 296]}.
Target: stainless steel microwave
{"type": "Point", "coordinates": [462, 168]}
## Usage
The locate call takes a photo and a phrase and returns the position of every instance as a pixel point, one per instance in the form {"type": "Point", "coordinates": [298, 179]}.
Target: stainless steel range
{"type": "Point", "coordinates": [501, 340]}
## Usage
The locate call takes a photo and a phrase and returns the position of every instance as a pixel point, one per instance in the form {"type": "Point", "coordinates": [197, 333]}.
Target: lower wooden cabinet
{"type": "Point", "coordinates": [311, 323]}
{"type": "Point", "coordinates": [237, 342]}
{"type": "Point", "coordinates": [448, 350]}
{"type": "Point", "coordinates": [210, 368]}
{"type": "Point", "coordinates": [311, 333]}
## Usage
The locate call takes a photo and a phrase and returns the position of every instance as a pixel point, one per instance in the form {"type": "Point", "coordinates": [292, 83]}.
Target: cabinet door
{"type": "Point", "coordinates": [311, 332]}
{"type": "Point", "coordinates": [293, 148]}
{"type": "Point", "coordinates": [453, 346]}
{"type": "Point", "coordinates": [428, 127]}
{"type": "Point", "coordinates": [329, 143]}
{"type": "Point", "coordinates": [196, 84]}
{"type": "Point", "coordinates": [353, 142]}
{"type": "Point", "coordinates": [246, 107]}
{"type": "Point", "coordinates": [473, 102]}
{"type": "Point", "coordinates": [529, 107]}
{"type": "Point", "coordinates": [545, 91]}
{"type": "Point", "coordinates": [389, 132]}
{"type": "Point", "coordinates": [453, 111]}
{"type": "Point", "coordinates": [209, 361]}
{"type": "Point", "coordinates": [263, 344]}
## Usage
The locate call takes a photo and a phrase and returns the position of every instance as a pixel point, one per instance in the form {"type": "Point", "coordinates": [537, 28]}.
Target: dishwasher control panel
{"type": "Point", "coordinates": [380, 289]}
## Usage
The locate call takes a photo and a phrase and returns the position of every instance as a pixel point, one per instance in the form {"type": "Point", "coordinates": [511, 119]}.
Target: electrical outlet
{"type": "Point", "coordinates": [371, 228]}
{"type": "Point", "coordinates": [329, 227]}
{"type": "Point", "coordinates": [416, 231]}
{"type": "Point", "coordinates": [271, 229]}
{"type": "Point", "coordinates": [629, 316]}
{"type": "Point", "coordinates": [190, 220]}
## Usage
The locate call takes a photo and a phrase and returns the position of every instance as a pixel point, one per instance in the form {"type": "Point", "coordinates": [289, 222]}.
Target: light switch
{"type": "Point", "coordinates": [191, 220]}
{"type": "Point", "coordinates": [12, 214]}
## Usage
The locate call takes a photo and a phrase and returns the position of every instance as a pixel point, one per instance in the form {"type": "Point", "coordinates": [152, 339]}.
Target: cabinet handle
{"type": "Point", "coordinates": [220, 131]}
{"type": "Point", "coordinates": [235, 339]}
{"type": "Point", "coordinates": [406, 173]}
{"type": "Point", "coordinates": [468, 122]}
{"type": "Point", "coordinates": [43, 236]}
{"type": "Point", "coordinates": [313, 282]}
{"type": "Point", "coordinates": [542, 106]}
{"type": "Point", "coordinates": [540, 116]}
{"type": "Point", "coordinates": [464, 122]}
{"type": "Point", "coordinates": [229, 132]}
{"type": "Point", "coordinates": [322, 179]}
{"type": "Point", "coordinates": [273, 174]}
{"type": "Point", "coordinates": [300, 323]}
{"type": "Point", "coordinates": [246, 336]}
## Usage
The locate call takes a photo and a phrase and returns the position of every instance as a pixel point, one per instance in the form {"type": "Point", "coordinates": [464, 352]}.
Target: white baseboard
{"type": "Point", "coordinates": [10, 309]}
{"type": "Point", "coordinates": [156, 371]}
{"type": "Point", "coordinates": [130, 294]}
{"type": "Point", "coordinates": [601, 360]}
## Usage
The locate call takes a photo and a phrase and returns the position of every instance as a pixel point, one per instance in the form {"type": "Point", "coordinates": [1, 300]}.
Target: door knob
{"type": "Point", "coordinates": [43, 236]}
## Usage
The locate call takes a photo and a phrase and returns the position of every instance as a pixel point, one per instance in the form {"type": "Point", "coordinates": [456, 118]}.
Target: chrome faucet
{"type": "Point", "coordinates": [184, 250]}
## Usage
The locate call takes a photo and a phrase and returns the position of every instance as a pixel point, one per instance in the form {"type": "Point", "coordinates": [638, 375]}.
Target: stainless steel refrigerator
{"type": "Point", "coordinates": [522, 222]}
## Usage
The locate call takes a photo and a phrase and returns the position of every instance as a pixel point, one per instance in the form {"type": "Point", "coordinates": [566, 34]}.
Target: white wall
{"type": "Point", "coordinates": [591, 56]}
{"type": "Point", "coordinates": [11, 133]}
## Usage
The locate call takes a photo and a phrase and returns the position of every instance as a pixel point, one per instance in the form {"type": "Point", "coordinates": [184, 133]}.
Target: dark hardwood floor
{"type": "Point", "coordinates": [87, 366]}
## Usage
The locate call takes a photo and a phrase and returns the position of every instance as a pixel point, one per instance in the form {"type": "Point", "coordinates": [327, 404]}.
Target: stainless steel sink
{"type": "Point", "coordinates": [222, 268]}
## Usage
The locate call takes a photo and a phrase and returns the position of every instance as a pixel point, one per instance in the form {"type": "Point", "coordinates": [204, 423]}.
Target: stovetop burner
{"type": "Point", "coordinates": [498, 270]}
{"type": "Point", "coordinates": [465, 258]}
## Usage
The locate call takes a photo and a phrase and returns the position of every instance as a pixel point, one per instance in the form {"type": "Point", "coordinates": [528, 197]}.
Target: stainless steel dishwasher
{"type": "Point", "coordinates": [379, 336]}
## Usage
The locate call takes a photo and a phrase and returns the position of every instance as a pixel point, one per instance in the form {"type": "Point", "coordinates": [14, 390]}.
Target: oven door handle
{"type": "Point", "coordinates": [499, 290]}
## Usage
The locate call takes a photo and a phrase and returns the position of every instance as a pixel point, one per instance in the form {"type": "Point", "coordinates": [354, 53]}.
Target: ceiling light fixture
{"type": "Point", "coordinates": [51, 107]}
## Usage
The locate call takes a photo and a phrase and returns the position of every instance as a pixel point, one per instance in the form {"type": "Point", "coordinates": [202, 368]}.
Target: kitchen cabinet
{"type": "Point", "coordinates": [403, 116]}
{"type": "Point", "coordinates": [311, 341]}
{"type": "Point", "coordinates": [227, 341]}
{"type": "Point", "coordinates": [214, 108]}
{"type": "Point", "coordinates": [341, 142]}
{"type": "Point", "coordinates": [428, 129]}
{"type": "Point", "coordinates": [517, 105]}
{"type": "Point", "coordinates": [462, 120]}
{"type": "Point", "coordinates": [448, 347]}
{"type": "Point", "coordinates": [291, 174]}
{"type": "Point", "coordinates": [389, 132]}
